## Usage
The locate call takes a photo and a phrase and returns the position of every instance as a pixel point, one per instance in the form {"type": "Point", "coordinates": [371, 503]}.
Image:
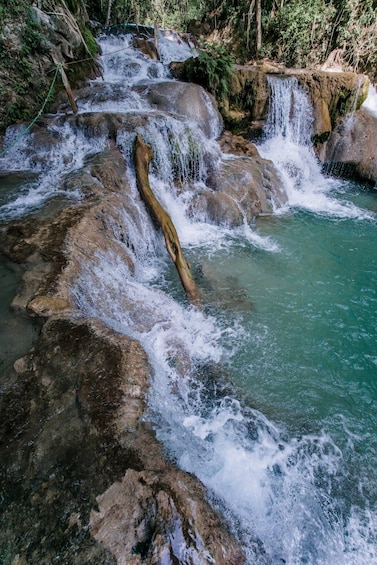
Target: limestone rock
{"type": "Point", "coordinates": [48, 305]}
{"type": "Point", "coordinates": [237, 145]}
{"type": "Point", "coordinates": [147, 47]}
{"type": "Point", "coordinates": [217, 208]}
{"type": "Point", "coordinates": [59, 433]}
{"type": "Point", "coordinates": [188, 100]}
{"type": "Point", "coordinates": [244, 186]}
{"type": "Point", "coordinates": [352, 147]}
{"type": "Point", "coordinates": [154, 517]}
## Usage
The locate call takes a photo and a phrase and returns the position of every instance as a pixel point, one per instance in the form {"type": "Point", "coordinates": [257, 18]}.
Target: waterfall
{"type": "Point", "coordinates": [288, 143]}
{"type": "Point", "coordinates": [370, 104]}
{"type": "Point", "coordinates": [290, 115]}
{"type": "Point", "coordinates": [263, 481]}
{"type": "Point", "coordinates": [275, 489]}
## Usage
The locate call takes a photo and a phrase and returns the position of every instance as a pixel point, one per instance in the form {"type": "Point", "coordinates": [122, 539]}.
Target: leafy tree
{"type": "Point", "coordinates": [299, 33]}
{"type": "Point", "coordinates": [357, 36]}
{"type": "Point", "coordinates": [294, 32]}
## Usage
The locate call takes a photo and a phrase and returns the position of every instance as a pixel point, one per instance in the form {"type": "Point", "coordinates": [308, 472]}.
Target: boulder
{"type": "Point", "coordinates": [237, 145]}
{"type": "Point", "coordinates": [186, 100]}
{"type": "Point", "coordinates": [161, 516]}
{"type": "Point", "coordinates": [147, 47]}
{"type": "Point", "coordinates": [352, 147]}
{"type": "Point", "coordinates": [242, 189]}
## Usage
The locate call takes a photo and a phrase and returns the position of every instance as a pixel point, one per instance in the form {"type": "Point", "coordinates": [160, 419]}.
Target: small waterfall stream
{"type": "Point", "coordinates": [280, 491]}
{"type": "Point", "coordinates": [288, 144]}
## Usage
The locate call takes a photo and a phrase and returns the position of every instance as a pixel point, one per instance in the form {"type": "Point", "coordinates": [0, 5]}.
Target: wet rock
{"type": "Point", "coordinates": [237, 145]}
{"type": "Point", "coordinates": [59, 432]}
{"type": "Point", "coordinates": [216, 208]}
{"type": "Point", "coordinates": [48, 306]}
{"type": "Point", "coordinates": [154, 517]}
{"type": "Point", "coordinates": [244, 186]}
{"type": "Point", "coordinates": [147, 47]}
{"type": "Point", "coordinates": [188, 100]}
{"type": "Point", "coordinates": [107, 124]}
{"type": "Point", "coordinates": [351, 150]}
{"type": "Point", "coordinates": [72, 408]}
{"type": "Point", "coordinates": [333, 95]}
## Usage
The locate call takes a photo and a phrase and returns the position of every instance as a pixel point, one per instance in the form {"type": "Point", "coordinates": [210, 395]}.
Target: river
{"type": "Point", "coordinates": [269, 394]}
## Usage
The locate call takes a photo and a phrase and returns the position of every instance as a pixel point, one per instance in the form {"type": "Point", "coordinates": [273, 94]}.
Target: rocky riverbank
{"type": "Point", "coordinates": [84, 478]}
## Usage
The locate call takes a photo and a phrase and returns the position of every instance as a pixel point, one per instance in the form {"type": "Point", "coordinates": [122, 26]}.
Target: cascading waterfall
{"type": "Point", "coordinates": [271, 487]}
{"type": "Point", "coordinates": [49, 164]}
{"type": "Point", "coordinates": [290, 114]}
{"type": "Point", "coordinates": [289, 125]}
{"type": "Point", "coordinates": [281, 490]}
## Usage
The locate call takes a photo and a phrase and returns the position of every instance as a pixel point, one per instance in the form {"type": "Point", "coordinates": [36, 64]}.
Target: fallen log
{"type": "Point", "coordinates": [143, 156]}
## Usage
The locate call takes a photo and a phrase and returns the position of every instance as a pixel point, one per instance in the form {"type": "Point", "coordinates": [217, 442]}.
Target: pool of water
{"type": "Point", "coordinates": [305, 356]}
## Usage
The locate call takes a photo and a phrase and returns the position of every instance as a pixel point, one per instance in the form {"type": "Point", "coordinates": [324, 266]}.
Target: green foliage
{"type": "Point", "coordinates": [174, 14]}
{"type": "Point", "coordinates": [212, 68]}
{"type": "Point", "coordinates": [294, 32]}
{"type": "Point", "coordinates": [32, 38]}
{"type": "Point", "coordinates": [358, 35]}
{"type": "Point", "coordinates": [72, 6]}
{"type": "Point", "coordinates": [300, 32]}
{"type": "Point", "coordinates": [90, 41]}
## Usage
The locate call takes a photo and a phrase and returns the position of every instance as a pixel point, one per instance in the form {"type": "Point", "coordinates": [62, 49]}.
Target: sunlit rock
{"type": "Point", "coordinates": [153, 517]}
{"type": "Point", "coordinates": [188, 100]}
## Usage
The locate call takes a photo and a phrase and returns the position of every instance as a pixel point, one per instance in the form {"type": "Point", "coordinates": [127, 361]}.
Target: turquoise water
{"type": "Point", "coordinates": [313, 326]}
{"type": "Point", "coordinates": [306, 358]}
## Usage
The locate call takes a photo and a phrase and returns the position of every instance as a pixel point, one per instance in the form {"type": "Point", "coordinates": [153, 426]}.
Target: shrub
{"type": "Point", "coordinates": [300, 32]}
{"type": "Point", "coordinates": [212, 68]}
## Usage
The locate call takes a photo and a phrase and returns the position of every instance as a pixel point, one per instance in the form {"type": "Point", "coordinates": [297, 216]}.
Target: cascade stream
{"type": "Point", "coordinates": [268, 394]}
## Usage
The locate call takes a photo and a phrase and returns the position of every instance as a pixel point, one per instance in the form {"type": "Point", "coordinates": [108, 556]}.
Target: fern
{"type": "Point", "coordinates": [212, 68]}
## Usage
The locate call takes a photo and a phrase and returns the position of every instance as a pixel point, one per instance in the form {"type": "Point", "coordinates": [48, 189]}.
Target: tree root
{"type": "Point", "coordinates": [143, 157]}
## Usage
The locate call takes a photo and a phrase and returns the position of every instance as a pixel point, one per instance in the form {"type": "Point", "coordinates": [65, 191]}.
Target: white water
{"type": "Point", "coordinates": [52, 162]}
{"type": "Point", "coordinates": [271, 485]}
{"type": "Point", "coordinates": [370, 103]}
{"type": "Point", "coordinates": [288, 145]}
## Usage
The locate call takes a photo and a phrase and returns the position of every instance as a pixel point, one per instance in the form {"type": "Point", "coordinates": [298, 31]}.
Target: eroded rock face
{"type": "Point", "coordinates": [243, 186]}
{"type": "Point", "coordinates": [59, 445]}
{"type": "Point", "coordinates": [29, 35]}
{"type": "Point", "coordinates": [158, 517]}
{"type": "Point", "coordinates": [352, 147]}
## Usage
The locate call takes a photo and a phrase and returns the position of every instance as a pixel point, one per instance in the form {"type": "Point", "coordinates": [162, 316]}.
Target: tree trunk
{"type": "Point", "coordinates": [249, 18]}
{"type": "Point", "coordinates": [143, 157]}
{"type": "Point", "coordinates": [259, 26]}
{"type": "Point", "coordinates": [136, 12]}
{"type": "Point", "coordinates": [109, 6]}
